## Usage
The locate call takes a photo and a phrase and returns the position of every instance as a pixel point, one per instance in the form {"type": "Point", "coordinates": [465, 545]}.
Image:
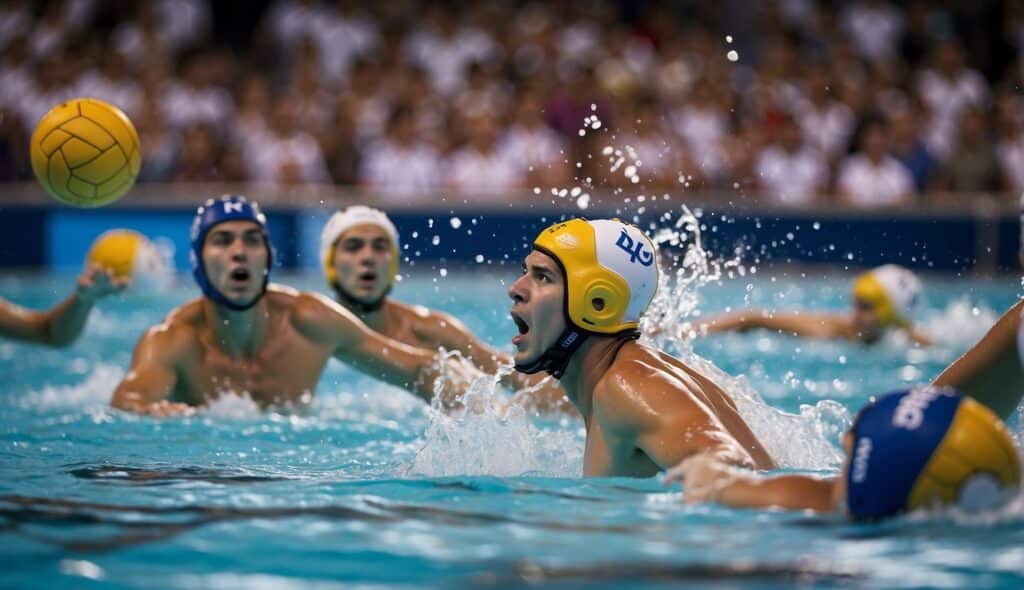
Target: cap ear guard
{"type": "Point", "coordinates": [601, 306]}
{"type": "Point", "coordinates": [601, 260]}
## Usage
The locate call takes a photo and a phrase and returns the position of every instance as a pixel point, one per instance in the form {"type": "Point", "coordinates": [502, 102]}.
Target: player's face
{"type": "Point", "coordinates": [235, 257]}
{"type": "Point", "coordinates": [362, 262]}
{"type": "Point", "coordinates": [865, 319]}
{"type": "Point", "coordinates": [537, 303]}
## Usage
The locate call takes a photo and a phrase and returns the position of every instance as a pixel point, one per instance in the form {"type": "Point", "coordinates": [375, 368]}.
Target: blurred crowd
{"type": "Point", "coordinates": [868, 103]}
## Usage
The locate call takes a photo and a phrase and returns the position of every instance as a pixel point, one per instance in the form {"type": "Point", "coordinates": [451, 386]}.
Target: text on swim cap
{"type": "Point", "coordinates": [910, 411]}
{"type": "Point", "coordinates": [860, 460]}
{"type": "Point", "coordinates": [635, 249]}
{"type": "Point", "coordinates": [230, 206]}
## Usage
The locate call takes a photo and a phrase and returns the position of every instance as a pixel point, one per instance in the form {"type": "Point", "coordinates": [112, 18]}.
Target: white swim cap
{"type": "Point", "coordinates": [340, 222]}
{"type": "Point", "coordinates": [893, 290]}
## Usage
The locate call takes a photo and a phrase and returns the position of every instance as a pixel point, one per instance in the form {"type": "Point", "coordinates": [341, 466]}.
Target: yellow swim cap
{"type": "Point", "coordinates": [893, 292]}
{"type": "Point", "coordinates": [340, 222]}
{"type": "Point", "coordinates": [975, 461]}
{"type": "Point", "coordinates": [130, 255]}
{"type": "Point", "coordinates": [610, 272]}
{"type": "Point", "coordinates": [611, 275]}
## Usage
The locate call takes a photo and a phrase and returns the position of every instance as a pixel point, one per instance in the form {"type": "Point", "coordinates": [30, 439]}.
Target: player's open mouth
{"type": "Point", "coordinates": [368, 276]}
{"type": "Point", "coordinates": [240, 275]}
{"type": "Point", "coordinates": [521, 325]}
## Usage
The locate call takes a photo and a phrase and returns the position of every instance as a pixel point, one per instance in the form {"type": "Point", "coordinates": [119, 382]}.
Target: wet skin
{"type": "Point", "coordinates": [644, 410]}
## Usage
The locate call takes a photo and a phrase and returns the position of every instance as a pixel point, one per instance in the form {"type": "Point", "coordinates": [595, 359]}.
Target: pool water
{"type": "Point", "coordinates": [369, 488]}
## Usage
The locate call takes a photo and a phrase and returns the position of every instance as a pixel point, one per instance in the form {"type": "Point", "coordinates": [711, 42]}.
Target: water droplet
{"type": "Point", "coordinates": [479, 258]}
{"type": "Point", "coordinates": [443, 272]}
{"type": "Point", "coordinates": [732, 55]}
{"type": "Point", "coordinates": [728, 38]}
{"type": "Point", "coordinates": [536, 190]}
{"type": "Point", "coordinates": [456, 222]}
{"type": "Point", "coordinates": [435, 240]}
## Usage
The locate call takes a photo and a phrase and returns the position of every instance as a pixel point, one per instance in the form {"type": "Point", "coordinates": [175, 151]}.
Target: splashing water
{"type": "Point", "coordinates": [93, 393]}
{"type": "Point", "coordinates": [489, 436]}
{"type": "Point", "coordinates": [803, 441]}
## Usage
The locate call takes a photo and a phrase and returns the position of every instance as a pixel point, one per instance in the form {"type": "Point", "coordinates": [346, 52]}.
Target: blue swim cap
{"type": "Point", "coordinates": [214, 212]}
{"type": "Point", "coordinates": [928, 446]}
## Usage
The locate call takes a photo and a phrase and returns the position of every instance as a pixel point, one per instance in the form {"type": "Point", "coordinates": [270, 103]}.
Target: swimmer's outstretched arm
{"type": "Point", "coordinates": [152, 376]}
{"type": "Point", "coordinates": [415, 369]}
{"type": "Point", "coordinates": [991, 371]}
{"type": "Point", "coordinates": [707, 479]}
{"type": "Point", "coordinates": [805, 325]}
{"type": "Point", "coordinates": [544, 395]}
{"type": "Point", "coordinates": [62, 324]}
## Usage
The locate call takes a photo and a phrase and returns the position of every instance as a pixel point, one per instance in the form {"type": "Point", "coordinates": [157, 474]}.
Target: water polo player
{"type": "Point", "coordinates": [577, 307]}
{"type": "Point", "coordinates": [913, 449]}
{"type": "Point", "coordinates": [359, 251]}
{"type": "Point", "coordinates": [247, 336]}
{"type": "Point", "coordinates": [883, 299]}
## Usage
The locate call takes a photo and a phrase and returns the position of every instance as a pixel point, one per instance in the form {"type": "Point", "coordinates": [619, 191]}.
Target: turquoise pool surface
{"type": "Point", "coordinates": [369, 488]}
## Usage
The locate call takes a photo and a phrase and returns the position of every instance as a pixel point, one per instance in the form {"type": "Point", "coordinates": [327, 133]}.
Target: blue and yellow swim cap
{"type": "Point", "coordinates": [212, 213]}
{"type": "Point", "coordinates": [928, 446]}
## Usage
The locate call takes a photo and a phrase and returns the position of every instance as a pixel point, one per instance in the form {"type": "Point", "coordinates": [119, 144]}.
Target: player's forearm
{"type": "Point", "coordinates": [65, 322]}
{"type": "Point", "coordinates": [991, 371]}
{"type": "Point", "coordinates": [791, 492]}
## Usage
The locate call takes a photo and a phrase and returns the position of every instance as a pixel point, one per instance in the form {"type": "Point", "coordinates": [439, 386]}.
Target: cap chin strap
{"type": "Point", "coordinates": [345, 298]}
{"type": "Point", "coordinates": [555, 359]}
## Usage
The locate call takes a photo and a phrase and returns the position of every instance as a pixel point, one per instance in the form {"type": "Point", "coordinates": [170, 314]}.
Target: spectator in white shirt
{"type": "Point", "coordinates": [195, 99]}
{"type": "Point", "coordinates": [401, 166]}
{"type": "Point", "coordinates": [1010, 146]}
{"type": "Point", "coordinates": [825, 122]}
{"type": "Point", "coordinates": [875, 28]}
{"type": "Point", "coordinates": [286, 155]}
{"type": "Point", "coordinates": [342, 34]}
{"type": "Point", "coordinates": [252, 102]}
{"type": "Point", "coordinates": [142, 40]}
{"type": "Point", "coordinates": [648, 144]}
{"type": "Point", "coordinates": [947, 89]}
{"type": "Point", "coordinates": [537, 148]}
{"type": "Point", "coordinates": [447, 48]}
{"type": "Point", "coordinates": [703, 124]}
{"type": "Point", "coordinates": [791, 172]}
{"type": "Point", "coordinates": [110, 83]}
{"type": "Point", "coordinates": [15, 21]}
{"type": "Point", "coordinates": [479, 168]}
{"type": "Point", "coordinates": [291, 21]}
{"type": "Point", "coordinates": [872, 177]}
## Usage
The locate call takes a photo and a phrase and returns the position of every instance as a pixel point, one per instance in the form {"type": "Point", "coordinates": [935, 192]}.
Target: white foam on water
{"type": "Point", "coordinates": [961, 323]}
{"type": "Point", "coordinates": [232, 405]}
{"type": "Point", "coordinates": [94, 392]}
